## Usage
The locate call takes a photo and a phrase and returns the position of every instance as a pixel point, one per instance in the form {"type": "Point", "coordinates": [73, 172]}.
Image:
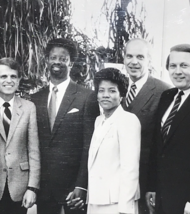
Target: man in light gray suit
{"type": "Point", "coordinates": [142, 99]}
{"type": "Point", "coordinates": [19, 145]}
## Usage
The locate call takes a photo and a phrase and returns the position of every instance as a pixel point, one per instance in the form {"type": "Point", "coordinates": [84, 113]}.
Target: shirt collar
{"type": "Point", "coordinates": [62, 86]}
{"type": "Point", "coordinates": [139, 83]}
{"type": "Point", "coordinates": [186, 92]}
{"type": "Point", "coordinates": [2, 101]}
{"type": "Point", "coordinates": [114, 114]}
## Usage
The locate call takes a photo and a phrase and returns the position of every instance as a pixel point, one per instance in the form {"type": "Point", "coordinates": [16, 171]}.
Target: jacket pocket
{"type": "Point", "coordinates": [24, 166]}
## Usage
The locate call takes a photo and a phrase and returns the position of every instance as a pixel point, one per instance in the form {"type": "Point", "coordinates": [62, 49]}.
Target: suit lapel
{"type": "Point", "coordinates": [142, 97]}
{"type": "Point", "coordinates": [16, 115]}
{"type": "Point", "coordinates": [41, 102]}
{"type": "Point", "coordinates": [166, 102]}
{"type": "Point", "coordinates": [98, 141]}
{"type": "Point", "coordinates": [2, 130]}
{"type": "Point", "coordinates": [180, 115]}
{"type": "Point", "coordinates": [65, 104]}
{"type": "Point", "coordinates": [102, 134]}
{"type": "Point", "coordinates": [42, 112]}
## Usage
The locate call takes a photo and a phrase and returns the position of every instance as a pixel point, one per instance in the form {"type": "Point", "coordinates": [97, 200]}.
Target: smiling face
{"type": "Point", "coordinates": [59, 64]}
{"type": "Point", "coordinates": [136, 59]}
{"type": "Point", "coordinates": [9, 82]}
{"type": "Point", "coordinates": [179, 69]}
{"type": "Point", "coordinates": [108, 96]}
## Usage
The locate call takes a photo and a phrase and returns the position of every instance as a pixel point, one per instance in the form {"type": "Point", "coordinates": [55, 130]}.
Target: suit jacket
{"type": "Point", "coordinates": [19, 153]}
{"type": "Point", "coordinates": [144, 106]}
{"type": "Point", "coordinates": [65, 149]}
{"type": "Point", "coordinates": [170, 162]}
{"type": "Point", "coordinates": [113, 162]}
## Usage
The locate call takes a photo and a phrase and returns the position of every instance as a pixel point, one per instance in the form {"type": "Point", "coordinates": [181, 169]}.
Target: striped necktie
{"type": "Point", "coordinates": [168, 122]}
{"type": "Point", "coordinates": [131, 94]}
{"type": "Point", "coordinates": [6, 118]}
{"type": "Point", "coordinates": [52, 106]}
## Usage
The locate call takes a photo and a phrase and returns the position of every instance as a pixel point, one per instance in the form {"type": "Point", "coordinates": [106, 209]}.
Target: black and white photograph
{"type": "Point", "coordinates": [95, 107]}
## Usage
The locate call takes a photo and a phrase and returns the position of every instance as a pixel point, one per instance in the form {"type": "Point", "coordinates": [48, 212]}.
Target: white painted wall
{"type": "Point", "coordinates": [167, 20]}
{"type": "Point", "coordinates": [176, 27]}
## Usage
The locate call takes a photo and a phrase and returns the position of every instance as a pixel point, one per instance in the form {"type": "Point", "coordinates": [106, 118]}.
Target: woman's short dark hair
{"type": "Point", "coordinates": [113, 75]}
{"type": "Point", "coordinates": [11, 63]}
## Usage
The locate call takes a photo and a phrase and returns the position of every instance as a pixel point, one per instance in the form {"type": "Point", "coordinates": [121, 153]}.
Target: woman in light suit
{"type": "Point", "coordinates": [113, 164]}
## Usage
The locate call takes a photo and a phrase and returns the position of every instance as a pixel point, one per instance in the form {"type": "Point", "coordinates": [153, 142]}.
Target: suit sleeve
{"type": "Point", "coordinates": [129, 141]}
{"type": "Point", "coordinates": [152, 171]}
{"type": "Point", "coordinates": [91, 111]}
{"type": "Point", "coordinates": [152, 163]}
{"type": "Point", "coordinates": [33, 150]}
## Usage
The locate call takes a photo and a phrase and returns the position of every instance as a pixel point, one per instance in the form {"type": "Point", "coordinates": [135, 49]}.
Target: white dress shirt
{"type": "Point", "coordinates": [183, 98]}
{"type": "Point", "coordinates": [2, 108]}
{"type": "Point", "coordinates": [139, 83]}
{"type": "Point", "coordinates": [60, 94]}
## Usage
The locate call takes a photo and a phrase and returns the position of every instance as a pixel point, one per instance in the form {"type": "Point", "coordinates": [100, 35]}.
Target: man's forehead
{"type": "Point", "coordinates": [178, 56]}
{"type": "Point", "coordinates": [5, 69]}
{"type": "Point", "coordinates": [137, 44]}
{"type": "Point", "coordinates": [58, 49]}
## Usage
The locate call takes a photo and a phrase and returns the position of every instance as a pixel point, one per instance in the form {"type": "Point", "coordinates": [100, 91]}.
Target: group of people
{"type": "Point", "coordinates": [64, 154]}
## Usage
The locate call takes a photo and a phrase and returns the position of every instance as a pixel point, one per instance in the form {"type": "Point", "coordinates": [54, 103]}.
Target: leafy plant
{"type": "Point", "coordinates": [124, 24]}
{"type": "Point", "coordinates": [25, 28]}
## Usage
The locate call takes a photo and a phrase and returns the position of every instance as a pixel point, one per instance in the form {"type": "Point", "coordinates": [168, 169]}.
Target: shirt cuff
{"type": "Point", "coordinates": [35, 190]}
{"type": "Point", "coordinates": [81, 188]}
{"type": "Point", "coordinates": [187, 207]}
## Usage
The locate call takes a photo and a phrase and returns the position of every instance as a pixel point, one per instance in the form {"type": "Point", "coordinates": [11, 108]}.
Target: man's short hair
{"type": "Point", "coordinates": [11, 63]}
{"type": "Point", "coordinates": [177, 48]}
{"type": "Point", "coordinates": [147, 44]}
{"type": "Point", "coordinates": [64, 43]}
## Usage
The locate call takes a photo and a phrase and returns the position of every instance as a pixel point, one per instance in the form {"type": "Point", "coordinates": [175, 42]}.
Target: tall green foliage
{"type": "Point", "coordinates": [25, 28]}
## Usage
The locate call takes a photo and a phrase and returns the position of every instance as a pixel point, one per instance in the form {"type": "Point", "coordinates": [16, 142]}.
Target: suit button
{"type": "Point", "coordinates": [4, 170]}
{"type": "Point", "coordinates": [163, 156]}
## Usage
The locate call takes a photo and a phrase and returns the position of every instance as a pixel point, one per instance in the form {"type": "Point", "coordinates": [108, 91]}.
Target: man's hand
{"type": "Point", "coordinates": [187, 208]}
{"type": "Point", "coordinates": [29, 199]}
{"type": "Point", "coordinates": [76, 199]}
{"type": "Point", "coordinates": [151, 201]}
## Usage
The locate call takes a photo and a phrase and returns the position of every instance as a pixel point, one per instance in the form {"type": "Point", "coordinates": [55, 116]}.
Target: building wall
{"type": "Point", "coordinates": [167, 22]}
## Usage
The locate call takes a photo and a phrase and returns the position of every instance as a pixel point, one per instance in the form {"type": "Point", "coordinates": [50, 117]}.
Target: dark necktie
{"type": "Point", "coordinates": [131, 94]}
{"type": "Point", "coordinates": [6, 118]}
{"type": "Point", "coordinates": [168, 122]}
{"type": "Point", "coordinates": [52, 106]}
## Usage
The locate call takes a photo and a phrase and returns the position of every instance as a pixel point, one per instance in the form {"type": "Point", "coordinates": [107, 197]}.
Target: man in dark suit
{"type": "Point", "coordinates": [170, 159]}
{"type": "Point", "coordinates": [19, 145]}
{"type": "Point", "coordinates": [142, 101]}
{"type": "Point", "coordinates": [65, 131]}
